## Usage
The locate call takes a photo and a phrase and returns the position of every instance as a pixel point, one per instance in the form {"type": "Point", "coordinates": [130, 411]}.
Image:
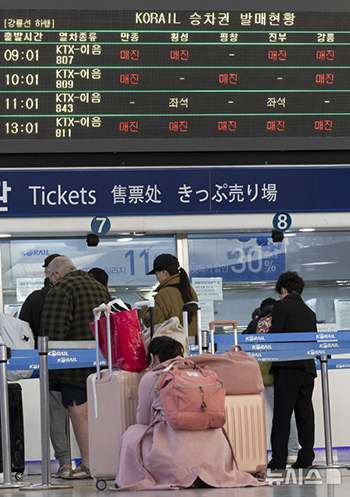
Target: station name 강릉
{"type": "Point", "coordinates": [156, 18]}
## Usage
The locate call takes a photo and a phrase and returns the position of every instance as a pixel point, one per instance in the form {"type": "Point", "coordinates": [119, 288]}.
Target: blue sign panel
{"type": "Point", "coordinates": [237, 259]}
{"type": "Point", "coordinates": [154, 191]}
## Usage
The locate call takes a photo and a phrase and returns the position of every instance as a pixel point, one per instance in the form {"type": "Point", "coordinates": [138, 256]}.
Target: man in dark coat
{"type": "Point", "coordinates": [293, 380]}
{"type": "Point", "coordinates": [32, 307]}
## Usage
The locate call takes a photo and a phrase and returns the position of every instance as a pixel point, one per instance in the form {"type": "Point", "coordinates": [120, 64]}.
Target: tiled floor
{"type": "Point", "coordinates": [290, 483]}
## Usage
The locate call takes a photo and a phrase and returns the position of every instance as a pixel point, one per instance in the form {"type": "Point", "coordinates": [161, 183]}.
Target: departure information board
{"type": "Point", "coordinates": [132, 77]}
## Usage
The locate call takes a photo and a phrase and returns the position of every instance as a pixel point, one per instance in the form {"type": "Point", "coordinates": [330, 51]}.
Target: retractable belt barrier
{"type": "Point", "coordinates": [275, 347]}
{"type": "Point", "coordinates": [67, 355]}
{"type": "Point", "coordinates": [57, 359]}
{"type": "Point", "coordinates": [77, 354]}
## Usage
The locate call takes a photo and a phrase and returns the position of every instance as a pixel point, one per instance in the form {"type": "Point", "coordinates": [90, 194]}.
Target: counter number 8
{"type": "Point", "coordinates": [282, 221]}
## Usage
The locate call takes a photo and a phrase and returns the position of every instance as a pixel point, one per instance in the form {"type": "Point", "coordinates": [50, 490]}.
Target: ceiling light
{"type": "Point", "coordinates": [290, 234]}
{"type": "Point", "coordinates": [124, 239]}
{"type": "Point", "coordinates": [325, 263]}
{"type": "Point", "coordinates": [5, 235]}
{"type": "Point", "coordinates": [307, 229]}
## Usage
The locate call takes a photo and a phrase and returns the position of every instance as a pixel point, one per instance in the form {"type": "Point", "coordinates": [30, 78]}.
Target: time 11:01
{"type": "Point", "coordinates": [27, 103]}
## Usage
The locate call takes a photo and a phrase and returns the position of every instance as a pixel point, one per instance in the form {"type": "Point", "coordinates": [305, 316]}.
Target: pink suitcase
{"type": "Point", "coordinates": [245, 423]}
{"type": "Point", "coordinates": [245, 426]}
{"type": "Point", "coordinates": [245, 414]}
{"type": "Point", "coordinates": [112, 402]}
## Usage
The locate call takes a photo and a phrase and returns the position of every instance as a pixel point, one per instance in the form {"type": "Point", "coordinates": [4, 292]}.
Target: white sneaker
{"type": "Point", "coordinates": [292, 459]}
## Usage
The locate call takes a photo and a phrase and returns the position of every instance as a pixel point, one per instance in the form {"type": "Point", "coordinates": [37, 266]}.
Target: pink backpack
{"type": "Point", "coordinates": [193, 398]}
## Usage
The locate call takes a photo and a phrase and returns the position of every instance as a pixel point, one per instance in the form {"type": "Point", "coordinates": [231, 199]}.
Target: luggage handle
{"type": "Point", "coordinates": [97, 313]}
{"type": "Point", "coordinates": [187, 306]}
{"type": "Point", "coordinates": [150, 304]}
{"type": "Point", "coordinates": [119, 302]}
{"type": "Point", "coordinates": [222, 322]}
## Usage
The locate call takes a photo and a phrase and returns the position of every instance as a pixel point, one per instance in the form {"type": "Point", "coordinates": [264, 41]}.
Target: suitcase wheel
{"type": "Point", "coordinates": [262, 476]}
{"type": "Point", "coordinates": [101, 484]}
{"type": "Point", "coordinates": [19, 476]}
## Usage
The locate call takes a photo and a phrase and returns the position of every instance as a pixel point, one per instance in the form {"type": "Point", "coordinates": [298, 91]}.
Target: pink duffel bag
{"type": "Point", "coordinates": [239, 371]}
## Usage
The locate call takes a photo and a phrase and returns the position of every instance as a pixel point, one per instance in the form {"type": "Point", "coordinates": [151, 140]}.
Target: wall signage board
{"type": "Point", "coordinates": [25, 286]}
{"type": "Point", "coordinates": [208, 289]}
{"type": "Point", "coordinates": [159, 191]}
{"type": "Point", "coordinates": [342, 313]}
{"type": "Point", "coordinates": [126, 264]}
{"type": "Point", "coordinates": [236, 259]}
{"type": "Point", "coordinates": [163, 76]}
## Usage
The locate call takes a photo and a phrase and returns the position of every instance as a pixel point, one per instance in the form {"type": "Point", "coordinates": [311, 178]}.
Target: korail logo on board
{"type": "Point", "coordinates": [34, 252]}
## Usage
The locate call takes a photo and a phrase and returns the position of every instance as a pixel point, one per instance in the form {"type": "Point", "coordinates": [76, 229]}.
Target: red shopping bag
{"type": "Point", "coordinates": [128, 348]}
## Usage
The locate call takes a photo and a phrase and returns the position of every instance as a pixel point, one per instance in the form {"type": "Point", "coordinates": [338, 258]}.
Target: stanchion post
{"type": "Point", "coordinates": [45, 419]}
{"type": "Point", "coordinates": [327, 416]}
{"type": "Point", "coordinates": [44, 409]}
{"type": "Point", "coordinates": [326, 410]}
{"type": "Point", "coordinates": [5, 422]}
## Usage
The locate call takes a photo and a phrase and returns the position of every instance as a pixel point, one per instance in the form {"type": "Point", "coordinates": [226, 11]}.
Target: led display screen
{"type": "Point", "coordinates": [154, 76]}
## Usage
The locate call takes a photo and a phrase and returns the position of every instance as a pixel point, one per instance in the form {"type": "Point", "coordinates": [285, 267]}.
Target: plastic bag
{"type": "Point", "coordinates": [16, 334]}
{"type": "Point", "coordinates": [127, 345]}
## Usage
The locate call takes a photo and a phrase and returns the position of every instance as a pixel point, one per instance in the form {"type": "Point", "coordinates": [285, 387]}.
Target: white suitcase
{"type": "Point", "coordinates": [112, 403]}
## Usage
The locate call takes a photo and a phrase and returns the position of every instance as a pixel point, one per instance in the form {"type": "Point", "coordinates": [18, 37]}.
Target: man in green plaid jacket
{"type": "Point", "coordinates": [66, 316]}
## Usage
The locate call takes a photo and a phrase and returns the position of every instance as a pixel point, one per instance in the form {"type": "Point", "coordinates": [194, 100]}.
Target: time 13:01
{"type": "Point", "coordinates": [28, 128]}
